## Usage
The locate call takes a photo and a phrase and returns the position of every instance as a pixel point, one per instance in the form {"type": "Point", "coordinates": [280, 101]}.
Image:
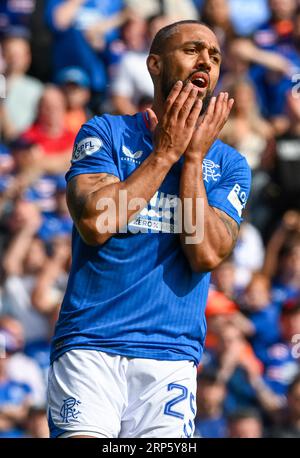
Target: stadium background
{"type": "Point", "coordinates": [61, 62]}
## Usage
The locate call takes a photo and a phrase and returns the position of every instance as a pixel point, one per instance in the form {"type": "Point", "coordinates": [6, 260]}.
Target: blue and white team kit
{"type": "Point", "coordinates": [132, 327]}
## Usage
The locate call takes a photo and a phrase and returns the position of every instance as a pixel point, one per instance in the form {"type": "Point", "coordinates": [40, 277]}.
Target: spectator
{"type": "Point", "coordinates": [81, 30]}
{"type": "Point", "coordinates": [242, 371]}
{"type": "Point", "coordinates": [132, 38]}
{"type": "Point", "coordinates": [247, 17]}
{"type": "Point", "coordinates": [219, 311]}
{"type": "Point", "coordinates": [248, 254]}
{"type": "Point", "coordinates": [229, 359]}
{"type": "Point", "coordinates": [286, 284]}
{"type": "Point", "coordinates": [23, 260]}
{"type": "Point", "coordinates": [210, 421]}
{"type": "Point", "coordinates": [27, 179]}
{"type": "Point", "coordinates": [287, 232]}
{"type": "Point", "coordinates": [246, 130]}
{"type": "Point", "coordinates": [290, 421]}
{"type": "Point", "coordinates": [23, 92]}
{"type": "Point", "coordinates": [75, 84]}
{"type": "Point", "coordinates": [52, 280]}
{"type": "Point", "coordinates": [21, 368]}
{"type": "Point", "coordinates": [41, 44]}
{"type": "Point", "coordinates": [132, 80]}
{"type": "Point", "coordinates": [277, 31]}
{"type": "Point", "coordinates": [50, 133]}
{"type": "Point", "coordinates": [263, 315]}
{"type": "Point", "coordinates": [283, 162]}
{"type": "Point", "coordinates": [57, 223]}
{"type": "Point", "coordinates": [175, 9]}
{"type": "Point", "coordinates": [14, 403]}
{"type": "Point", "coordinates": [36, 425]}
{"type": "Point", "coordinates": [6, 162]}
{"type": "Point", "coordinates": [281, 365]}
{"type": "Point", "coordinates": [15, 15]}
{"type": "Point", "coordinates": [245, 424]}
{"type": "Point", "coordinates": [224, 279]}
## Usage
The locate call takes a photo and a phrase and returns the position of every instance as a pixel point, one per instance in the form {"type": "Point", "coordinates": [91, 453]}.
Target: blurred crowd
{"type": "Point", "coordinates": [64, 61]}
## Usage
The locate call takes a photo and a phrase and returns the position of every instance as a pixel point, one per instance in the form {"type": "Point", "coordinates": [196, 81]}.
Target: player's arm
{"type": "Point", "coordinates": [94, 198]}
{"type": "Point", "coordinates": [215, 232]}
{"type": "Point", "coordinates": [209, 234]}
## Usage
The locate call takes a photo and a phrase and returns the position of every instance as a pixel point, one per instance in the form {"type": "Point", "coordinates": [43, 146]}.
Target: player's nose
{"type": "Point", "coordinates": [204, 59]}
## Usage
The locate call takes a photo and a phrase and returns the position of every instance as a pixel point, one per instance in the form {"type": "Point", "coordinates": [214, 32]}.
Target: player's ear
{"type": "Point", "coordinates": [154, 64]}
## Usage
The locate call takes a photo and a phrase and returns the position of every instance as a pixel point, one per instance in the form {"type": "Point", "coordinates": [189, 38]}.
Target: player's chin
{"type": "Point", "coordinates": [202, 92]}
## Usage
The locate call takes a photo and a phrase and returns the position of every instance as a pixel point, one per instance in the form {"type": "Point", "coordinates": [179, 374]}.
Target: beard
{"type": "Point", "coordinates": [167, 84]}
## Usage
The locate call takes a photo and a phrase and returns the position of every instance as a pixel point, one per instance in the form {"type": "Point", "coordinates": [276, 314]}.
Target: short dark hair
{"type": "Point", "coordinates": [244, 413]}
{"type": "Point", "coordinates": [161, 38]}
{"type": "Point", "coordinates": [209, 376]}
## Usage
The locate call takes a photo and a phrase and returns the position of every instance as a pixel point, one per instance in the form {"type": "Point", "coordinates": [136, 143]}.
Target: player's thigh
{"type": "Point", "coordinates": [85, 395]}
{"type": "Point", "coordinates": [165, 403]}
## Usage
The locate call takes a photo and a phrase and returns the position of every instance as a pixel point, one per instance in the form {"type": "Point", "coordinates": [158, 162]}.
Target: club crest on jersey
{"type": "Point", "coordinates": [210, 170]}
{"type": "Point", "coordinates": [68, 410]}
{"type": "Point", "coordinates": [86, 147]}
{"type": "Point", "coordinates": [130, 156]}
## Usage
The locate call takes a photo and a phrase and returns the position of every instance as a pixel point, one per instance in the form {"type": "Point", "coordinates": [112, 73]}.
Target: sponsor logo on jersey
{"type": "Point", "coordinates": [159, 216]}
{"type": "Point", "coordinates": [237, 198]}
{"type": "Point", "coordinates": [130, 156]}
{"type": "Point", "coordinates": [86, 147]}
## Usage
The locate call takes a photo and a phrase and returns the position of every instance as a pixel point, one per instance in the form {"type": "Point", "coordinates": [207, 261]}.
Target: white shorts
{"type": "Point", "coordinates": [103, 395]}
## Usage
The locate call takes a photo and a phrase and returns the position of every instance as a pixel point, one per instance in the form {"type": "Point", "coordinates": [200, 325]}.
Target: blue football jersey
{"type": "Point", "coordinates": [136, 295]}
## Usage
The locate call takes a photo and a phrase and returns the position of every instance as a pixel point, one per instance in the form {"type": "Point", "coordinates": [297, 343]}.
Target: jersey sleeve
{"type": "Point", "coordinates": [233, 190]}
{"type": "Point", "coordinates": [93, 150]}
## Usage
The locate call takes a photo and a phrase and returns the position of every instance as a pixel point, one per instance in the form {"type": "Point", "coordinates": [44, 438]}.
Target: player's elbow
{"type": "Point", "coordinates": [207, 263]}
{"type": "Point", "coordinates": [90, 233]}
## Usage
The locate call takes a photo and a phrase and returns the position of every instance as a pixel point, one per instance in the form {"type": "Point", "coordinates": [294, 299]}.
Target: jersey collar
{"type": "Point", "coordinates": [144, 123]}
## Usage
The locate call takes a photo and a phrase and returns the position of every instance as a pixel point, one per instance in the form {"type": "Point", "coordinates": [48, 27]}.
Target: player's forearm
{"type": "Point", "coordinates": [204, 238]}
{"type": "Point", "coordinates": [108, 210]}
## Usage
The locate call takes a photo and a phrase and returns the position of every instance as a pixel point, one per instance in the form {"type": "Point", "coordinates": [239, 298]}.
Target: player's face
{"type": "Point", "coordinates": [192, 54]}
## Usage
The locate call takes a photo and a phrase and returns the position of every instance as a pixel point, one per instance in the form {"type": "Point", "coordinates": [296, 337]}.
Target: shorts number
{"type": "Point", "coordinates": [170, 404]}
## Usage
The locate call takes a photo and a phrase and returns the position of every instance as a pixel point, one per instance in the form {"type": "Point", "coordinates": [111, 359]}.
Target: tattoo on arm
{"type": "Point", "coordinates": [108, 179]}
{"type": "Point", "coordinates": [76, 201]}
{"type": "Point", "coordinates": [231, 225]}
{"type": "Point", "coordinates": [77, 196]}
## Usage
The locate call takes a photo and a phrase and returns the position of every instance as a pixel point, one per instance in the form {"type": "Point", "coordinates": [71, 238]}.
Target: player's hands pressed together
{"type": "Point", "coordinates": [174, 131]}
{"type": "Point", "coordinates": [209, 127]}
